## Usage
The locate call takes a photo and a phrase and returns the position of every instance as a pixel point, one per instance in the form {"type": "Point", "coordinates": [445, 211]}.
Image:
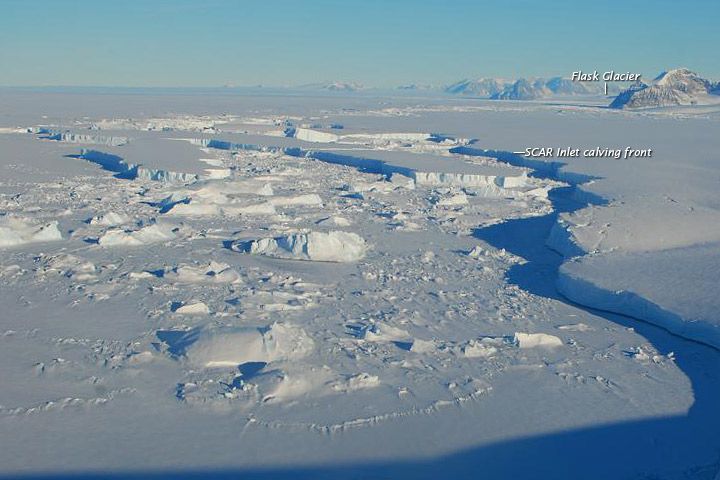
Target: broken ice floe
{"type": "Point", "coordinates": [123, 169]}
{"type": "Point", "coordinates": [450, 199]}
{"type": "Point", "coordinates": [84, 138]}
{"type": "Point", "coordinates": [484, 254]}
{"type": "Point", "coordinates": [533, 340]}
{"type": "Point", "coordinates": [67, 265]}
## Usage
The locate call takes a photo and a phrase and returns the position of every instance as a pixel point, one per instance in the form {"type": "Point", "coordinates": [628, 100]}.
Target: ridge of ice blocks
{"type": "Point", "coordinates": [483, 254]}
{"type": "Point", "coordinates": [202, 209]}
{"type": "Point", "coordinates": [67, 265]}
{"type": "Point", "coordinates": [16, 231]}
{"type": "Point", "coordinates": [482, 348]}
{"type": "Point", "coordinates": [451, 199]}
{"type": "Point", "coordinates": [214, 198]}
{"type": "Point", "coordinates": [233, 346]}
{"type": "Point", "coordinates": [190, 123]}
{"type": "Point", "coordinates": [110, 219]}
{"type": "Point", "coordinates": [232, 198]}
{"type": "Point", "coordinates": [213, 272]}
{"type": "Point", "coordinates": [382, 332]}
{"type": "Point", "coordinates": [334, 246]}
{"type": "Point", "coordinates": [131, 238]}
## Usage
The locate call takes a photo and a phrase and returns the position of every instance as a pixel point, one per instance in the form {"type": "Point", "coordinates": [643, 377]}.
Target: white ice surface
{"type": "Point", "coordinates": [442, 351]}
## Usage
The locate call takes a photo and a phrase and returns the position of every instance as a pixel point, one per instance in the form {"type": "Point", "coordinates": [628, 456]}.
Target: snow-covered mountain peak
{"type": "Point", "coordinates": [683, 79]}
{"type": "Point", "coordinates": [679, 86]}
{"type": "Point", "coordinates": [521, 88]}
{"type": "Point", "coordinates": [480, 87]}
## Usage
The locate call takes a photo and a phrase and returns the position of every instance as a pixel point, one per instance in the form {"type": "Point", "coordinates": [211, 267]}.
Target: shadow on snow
{"type": "Point", "coordinates": [632, 449]}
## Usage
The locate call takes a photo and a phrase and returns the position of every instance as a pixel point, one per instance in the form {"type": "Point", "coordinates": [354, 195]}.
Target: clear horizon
{"type": "Point", "coordinates": [279, 43]}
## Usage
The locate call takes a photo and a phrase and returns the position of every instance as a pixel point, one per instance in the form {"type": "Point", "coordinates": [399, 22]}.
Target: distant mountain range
{"type": "Point", "coordinates": [525, 89]}
{"type": "Point", "coordinates": [674, 87]}
{"type": "Point", "coordinates": [494, 88]}
{"type": "Point", "coordinates": [482, 87]}
{"type": "Point", "coordinates": [334, 86]}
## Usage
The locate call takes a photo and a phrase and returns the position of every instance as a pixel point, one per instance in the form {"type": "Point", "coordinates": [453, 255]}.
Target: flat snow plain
{"type": "Point", "coordinates": [355, 286]}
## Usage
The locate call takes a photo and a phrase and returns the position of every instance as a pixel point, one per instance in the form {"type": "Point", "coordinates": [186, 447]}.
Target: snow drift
{"type": "Point", "coordinates": [214, 272]}
{"type": "Point", "coordinates": [233, 346]}
{"type": "Point", "coordinates": [133, 238]}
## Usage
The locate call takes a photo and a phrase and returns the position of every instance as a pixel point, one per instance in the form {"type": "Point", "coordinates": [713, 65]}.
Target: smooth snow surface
{"type": "Point", "coordinates": [646, 285]}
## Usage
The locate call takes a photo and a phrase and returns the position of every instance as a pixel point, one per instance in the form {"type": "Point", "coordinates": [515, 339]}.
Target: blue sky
{"type": "Point", "coordinates": [375, 42]}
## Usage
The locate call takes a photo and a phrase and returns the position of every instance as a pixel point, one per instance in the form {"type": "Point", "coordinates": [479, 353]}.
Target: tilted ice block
{"type": "Point", "coordinates": [165, 175]}
{"type": "Point", "coordinates": [332, 246]}
{"type": "Point", "coordinates": [309, 135]}
{"type": "Point", "coordinates": [16, 231]}
{"type": "Point", "coordinates": [86, 138]}
{"type": "Point", "coordinates": [115, 163]}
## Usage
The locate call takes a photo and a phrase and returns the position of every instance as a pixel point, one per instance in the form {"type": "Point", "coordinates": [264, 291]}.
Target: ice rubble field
{"type": "Point", "coordinates": [356, 286]}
